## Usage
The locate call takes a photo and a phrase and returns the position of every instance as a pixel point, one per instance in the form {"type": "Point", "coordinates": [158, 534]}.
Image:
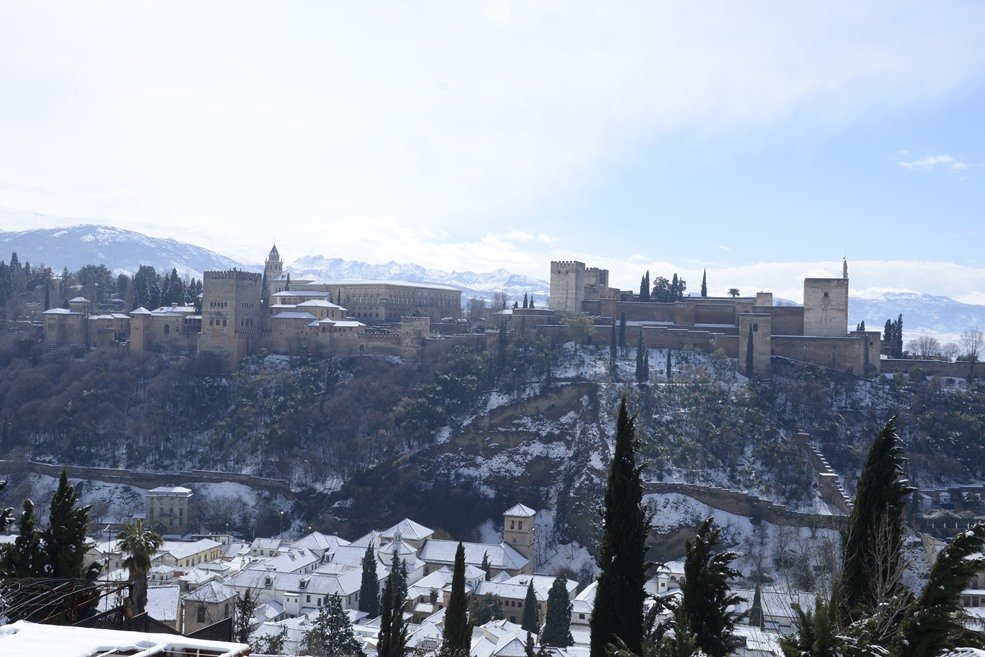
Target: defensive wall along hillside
{"type": "Point", "coordinates": [146, 480]}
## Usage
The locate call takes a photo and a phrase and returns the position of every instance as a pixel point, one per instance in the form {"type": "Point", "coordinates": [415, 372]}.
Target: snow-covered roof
{"type": "Point", "coordinates": [37, 640]}
{"type": "Point", "coordinates": [59, 311]}
{"type": "Point", "coordinates": [291, 560]}
{"type": "Point", "coordinates": [162, 602]}
{"type": "Point", "coordinates": [521, 511]}
{"type": "Point", "coordinates": [343, 584]}
{"type": "Point", "coordinates": [211, 592]}
{"type": "Point", "coordinates": [290, 314]}
{"type": "Point", "coordinates": [501, 556]}
{"type": "Point", "coordinates": [318, 303]}
{"type": "Point", "coordinates": [301, 294]}
{"type": "Point", "coordinates": [139, 311]}
{"type": "Point", "coordinates": [516, 587]}
{"type": "Point", "coordinates": [318, 542]}
{"type": "Point", "coordinates": [79, 300]}
{"type": "Point", "coordinates": [184, 549]}
{"type": "Point", "coordinates": [170, 490]}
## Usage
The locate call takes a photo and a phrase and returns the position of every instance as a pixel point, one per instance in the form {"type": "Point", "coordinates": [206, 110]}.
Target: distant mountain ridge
{"type": "Point", "coordinates": [120, 250]}
{"type": "Point", "coordinates": [125, 250]}
{"type": "Point", "coordinates": [481, 285]}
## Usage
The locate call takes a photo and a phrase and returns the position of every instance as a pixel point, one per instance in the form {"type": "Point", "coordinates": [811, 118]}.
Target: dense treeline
{"type": "Point", "coordinates": [24, 285]}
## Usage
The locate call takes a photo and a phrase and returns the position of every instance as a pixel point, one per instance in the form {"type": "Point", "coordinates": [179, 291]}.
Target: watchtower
{"type": "Point", "coordinates": [567, 286]}
{"type": "Point", "coordinates": [232, 313]}
{"type": "Point", "coordinates": [826, 307]}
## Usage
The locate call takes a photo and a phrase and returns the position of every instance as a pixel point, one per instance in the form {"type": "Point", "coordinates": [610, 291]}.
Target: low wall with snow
{"type": "Point", "coordinates": [960, 369]}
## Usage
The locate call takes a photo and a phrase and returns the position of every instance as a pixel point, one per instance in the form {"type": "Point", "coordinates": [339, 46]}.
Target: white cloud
{"type": "Point", "coordinates": [930, 162]}
{"type": "Point", "coordinates": [245, 117]}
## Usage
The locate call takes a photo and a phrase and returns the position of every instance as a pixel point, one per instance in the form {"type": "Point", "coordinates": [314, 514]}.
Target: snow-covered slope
{"type": "Point", "coordinates": [482, 285]}
{"type": "Point", "coordinates": [118, 249]}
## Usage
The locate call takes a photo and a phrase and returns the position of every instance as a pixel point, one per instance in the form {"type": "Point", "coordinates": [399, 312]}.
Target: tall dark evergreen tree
{"type": "Point", "coordinates": [704, 282]}
{"type": "Point", "coordinates": [936, 623]}
{"type": "Point", "coordinates": [529, 648]}
{"type": "Point", "coordinates": [457, 634]}
{"type": "Point", "coordinates": [525, 300]}
{"type": "Point", "coordinates": [47, 294]}
{"type": "Point", "coordinates": [244, 626]}
{"type": "Point", "coordinates": [872, 557]}
{"type": "Point", "coordinates": [331, 633]}
{"type": "Point", "coordinates": [642, 359]}
{"type": "Point", "coordinates": [25, 558]}
{"type": "Point", "coordinates": [386, 620]}
{"type": "Point", "coordinates": [618, 611]}
{"type": "Point", "coordinates": [486, 568]}
{"type": "Point", "coordinates": [530, 620]}
{"type": "Point", "coordinates": [669, 372]}
{"type": "Point", "coordinates": [398, 570]}
{"type": "Point", "coordinates": [66, 547]}
{"type": "Point", "coordinates": [705, 592]}
{"type": "Point", "coordinates": [557, 621]}
{"type": "Point", "coordinates": [369, 591]}
{"type": "Point", "coordinates": [622, 331]}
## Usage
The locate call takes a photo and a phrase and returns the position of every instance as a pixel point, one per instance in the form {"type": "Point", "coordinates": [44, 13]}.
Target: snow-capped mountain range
{"type": "Point", "coordinates": [125, 250]}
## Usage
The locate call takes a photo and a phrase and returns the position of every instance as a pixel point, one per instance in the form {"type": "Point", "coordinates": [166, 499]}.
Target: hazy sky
{"type": "Point", "coordinates": [479, 135]}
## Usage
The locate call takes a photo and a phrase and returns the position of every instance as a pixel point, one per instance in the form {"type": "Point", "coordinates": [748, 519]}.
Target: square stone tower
{"type": "Point", "coordinates": [232, 313]}
{"type": "Point", "coordinates": [167, 507]}
{"type": "Point", "coordinates": [567, 286]}
{"type": "Point", "coordinates": [826, 307]}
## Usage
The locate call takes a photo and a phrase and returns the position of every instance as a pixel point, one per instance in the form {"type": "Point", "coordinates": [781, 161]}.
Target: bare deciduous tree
{"type": "Point", "coordinates": [973, 343]}
{"type": "Point", "coordinates": [925, 346]}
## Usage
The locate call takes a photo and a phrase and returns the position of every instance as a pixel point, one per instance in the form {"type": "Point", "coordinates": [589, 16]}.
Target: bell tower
{"type": "Point", "coordinates": [273, 268]}
{"type": "Point", "coordinates": [518, 529]}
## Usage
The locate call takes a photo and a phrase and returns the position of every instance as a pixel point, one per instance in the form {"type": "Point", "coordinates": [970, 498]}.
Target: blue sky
{"type": "Point", "coordinates": [761, 140]}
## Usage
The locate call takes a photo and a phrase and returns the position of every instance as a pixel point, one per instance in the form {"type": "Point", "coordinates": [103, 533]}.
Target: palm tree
{"type": "Point", "coordinates": [733, 292]}
{"type": "Point", "coordinates": [140, 545]}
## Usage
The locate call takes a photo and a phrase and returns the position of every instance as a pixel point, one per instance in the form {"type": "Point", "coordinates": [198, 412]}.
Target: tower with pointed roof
{"type": "Point", "coordinates": [518, 529]}
{"type": "Point", "coordinates": [273, 268]}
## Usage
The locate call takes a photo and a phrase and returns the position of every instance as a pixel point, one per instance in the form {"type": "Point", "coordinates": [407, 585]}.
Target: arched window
{"type": "Point", "coordinates": [167, 329]}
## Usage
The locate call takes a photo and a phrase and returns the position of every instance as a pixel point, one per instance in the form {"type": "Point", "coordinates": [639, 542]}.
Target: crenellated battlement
{"type": "Point", "coordinates": [231, 275]}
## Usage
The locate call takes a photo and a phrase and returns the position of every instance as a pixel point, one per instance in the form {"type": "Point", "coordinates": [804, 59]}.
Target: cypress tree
{"type": "Point", "coordinates": [936, 623]}
{"type": "Point", "coordinates": [557, 624]}
{"type": "Point", "coordinates": [675, 292]}
{"type": "Point", "coordinates": [647, 279]}
{"type": "Point", "coordinates": [646, 366]}
{"type": "Point", "coordinates": [644, 289]}
{"type": "Point", "coordinates": [530, 620]}
{"type": "Point", "coordinates": [386, 619]}
{"type": "Point", "coordinates": [872, 547]}
{"type": "Point", "coordinates": [622, 331]}
{"type": "Point", "coordinates": [457, 634]}
{"type": "Point", "coordinates": [525, 300]}
{"type": "Point", "coordinates": [486, 568]}
{"type": "Point", "coordinates": [640, 349]}
{"type": "Point", "coordinates": [398, 570]}
{"type": "Point", "coordinates": [618, 611]}
{"type": "Point", "coordinates": [47, 294]}
{"type": "Point", "coordinates": [369, 596]}
{"type": "Point", "coordinates": [26, 557]}
{"type": "Point", "coordinates": [898, 336]}
{"type": "Point", "coordinates": [704, 282]}
{"type": "Point", "coordinates": [705, 592]}
{"type": "Point", "coordinates": [668, 364]}
{"type": "Point", "coordinates": [528, 646]}
{"type": "Point", "coordinates": [65, 544]}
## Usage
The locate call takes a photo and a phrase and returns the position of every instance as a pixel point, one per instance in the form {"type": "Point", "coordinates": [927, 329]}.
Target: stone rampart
{"type": "Point", "coordinates": [144, 479]}
{"type": "Point", "coordinates": [959, 369]}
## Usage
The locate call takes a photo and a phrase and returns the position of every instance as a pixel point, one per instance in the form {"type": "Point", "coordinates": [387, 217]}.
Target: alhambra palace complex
{"type": "Point", "coordinates": [244, 312]}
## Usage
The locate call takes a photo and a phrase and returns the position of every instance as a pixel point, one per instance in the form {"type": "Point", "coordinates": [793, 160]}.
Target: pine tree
{"type": "Point", "coordinates": [622, 331]}
{"type": "Point", "coordinates": [331, 633]}
{"type": "Point", "coordinates": [369, 596]}
{"type": "Point", "coordinates": [872, 547]}
{"type": "Point", "coordinates": [704, 282]}
{"type": "Point", "coordinates": [705, 592]}
{"type": "Point", "coordinates": [530, 620]}
{"type": "Point", "coordinates": [457, 633]}
{"type": "Point", "coordinates": [244, 626]}
{"type": "Point", "coordinates": [557, 624]}
{"type": "Point", "coordinates": [618, 611]}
